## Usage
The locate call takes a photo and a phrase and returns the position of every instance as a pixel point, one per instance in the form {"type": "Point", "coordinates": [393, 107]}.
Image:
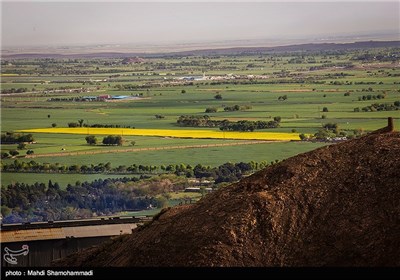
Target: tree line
{"type": "Point", "coordinates": [227, 172]}
{"type": "Point", "coordinates": [80, 123]}
{"type": "Point", "coordinates": [40, 202]}
{"type": "Point", "coordinates": [13, 90]}
{"type": "Point", "coordinates": [37, 202]}
{"type": "Point", "coordinates": [379, 107]}
{"type": "Point", "coordinates": [226, 125]}
{"type": "Point", "coordinates": [247, 125]}
{"type": "Point", "coordinates": [16, 138]}
{"type": "Point", "coordinates": [331, 132]}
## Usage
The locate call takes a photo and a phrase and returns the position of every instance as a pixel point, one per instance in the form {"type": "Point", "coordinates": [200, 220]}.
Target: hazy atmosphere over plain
{"type": "Point", "coordinates": [73, 23]}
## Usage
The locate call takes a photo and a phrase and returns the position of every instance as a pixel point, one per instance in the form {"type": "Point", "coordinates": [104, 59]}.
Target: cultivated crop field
{"type": "Point", "coordinates": [61, 102]}
{"type": "Point", "coordinates": [187, 133]}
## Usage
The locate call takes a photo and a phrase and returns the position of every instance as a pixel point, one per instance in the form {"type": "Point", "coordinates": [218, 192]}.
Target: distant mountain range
{"type": "Point", "coordinates": [217, 51]}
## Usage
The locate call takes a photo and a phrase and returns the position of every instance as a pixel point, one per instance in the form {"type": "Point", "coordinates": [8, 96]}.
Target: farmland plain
{"type": "Point", "coordinates": [306, 90]}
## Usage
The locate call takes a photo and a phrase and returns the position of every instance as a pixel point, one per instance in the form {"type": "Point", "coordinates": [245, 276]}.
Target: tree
{"type": "Point", "coordinates": [323, 134]}
{"type": "Point", "coordinates": [334, 127]}
{"type": "Point", "coordinates": [73, 124]}
{"type": "Point", "coordinates": [113, 140]}
{"type": "Point", "coordinates": [48, 116]}
{"type": "Point", "coordinates": [303, 137]}
{"type": "Point", "coordinates": [183, 91]}
{"type": "Point", "coordinates": [21, 146]}
{"type": "Point", "coordinates": [133, 143]}
{"type": "Point", "coordinates": [29, 152]}
{"type": "Point", "coordinates": [211, 110]}
{"type": "Point", "coordinates": [91, 140]}
{"type": "Point", "coordinates": [4, 155]}
{"type": "Point", "coordinates": [14, 153]}
{"type": "Point", "coordinates": [277, 119]}
{"type": "Point", "coordinates": [218, 96]}
{"type": "Point", "coordinates": [53, 125]}
{"type": "Point", "coordinates": [118, 140]}
{"type": "Point", "coordinates": [325, 109]}
{"type": "Point", "coordinates": [5, 211]}
{"type": "Point", "coordinates": [80, 122]}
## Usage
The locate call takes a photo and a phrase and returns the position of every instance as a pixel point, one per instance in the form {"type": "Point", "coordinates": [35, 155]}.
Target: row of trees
{"type": "Point", "coordinates": [237, 108]}
{"type": "Point", "coordinates": [247, 125]}
{"type": "Point", "coordinates": [108, 140]}
{"type": "Point", "coordinates": [198, 171]}
{"type": "Point", "coordinates": [16, 138]}
{"type": "Point", "coordinates": [331, 132]}
{"type": "Point", "coordinates": [226, 125]}
{"type": "Point", "coordinates": [113, 140]}
{"type": "Point", "coordinates": [197, 121]}
{"type": "Point", "coordinates": [13, 90]}
{"type": "Point", "coordinates": [81, 124]}
{"type": "Point", "coordinates": [37, 202]}
{"type": "Point", "coordinates": [370, 97]}
{"type": "Point", "coordinates": [379, 107]}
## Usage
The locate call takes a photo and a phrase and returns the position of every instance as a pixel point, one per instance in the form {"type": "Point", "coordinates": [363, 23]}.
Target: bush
{"type": "Point", "coordinates": [4, 155]}
{"type": "Point", "coordinates": [14, 153]}
{"type": "Point", "coordinates": [211, 110]}
{"type": "Point", "coordinates": [72, 124]}
{"type": "Point", "coordinates": [91, 140]}
{"type": "Point", "coordinates": [11, 138]}
{"type": "Point", "coordinates": [303, 137]}
{"type": "Point", "coordinates": [21, 146]}
{"type": "Point", "coordinates": [218, 96]}
{"type": "Point", "coordinates": [113, 140]}
{"type": "Point", "coordinates": [333, 127]}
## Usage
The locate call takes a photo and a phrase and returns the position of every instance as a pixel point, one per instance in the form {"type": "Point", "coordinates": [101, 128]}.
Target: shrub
{"type": "Point", "coordinates": [14, 153]}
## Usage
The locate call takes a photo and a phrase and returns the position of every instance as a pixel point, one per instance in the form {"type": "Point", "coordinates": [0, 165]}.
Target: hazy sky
{"type": "Point", "coordinates": [65, 23]}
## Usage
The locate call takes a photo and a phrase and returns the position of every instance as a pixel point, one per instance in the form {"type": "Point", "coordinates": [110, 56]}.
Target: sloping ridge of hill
{"type": "Point", "coordinates": [338, 205]}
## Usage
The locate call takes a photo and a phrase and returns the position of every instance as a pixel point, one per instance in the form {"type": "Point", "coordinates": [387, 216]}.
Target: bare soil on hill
{"type": "Point", "coordinates": [338, 205]}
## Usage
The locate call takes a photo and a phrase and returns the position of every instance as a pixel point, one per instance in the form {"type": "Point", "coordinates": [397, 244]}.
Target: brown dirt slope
{"type": "Point", "coordinates": [335, 206]}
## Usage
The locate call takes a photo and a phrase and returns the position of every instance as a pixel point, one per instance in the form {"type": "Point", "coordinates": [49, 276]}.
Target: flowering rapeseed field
{"type": "Point", "coordinates": [197, 134]}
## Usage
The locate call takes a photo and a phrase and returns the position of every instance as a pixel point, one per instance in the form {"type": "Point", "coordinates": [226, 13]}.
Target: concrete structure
{"type": "Point", "coordinates": [47, 241]}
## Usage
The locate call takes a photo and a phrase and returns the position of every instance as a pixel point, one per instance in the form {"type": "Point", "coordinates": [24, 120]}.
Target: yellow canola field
{"type": "Point", "coordinates": [198, 134]}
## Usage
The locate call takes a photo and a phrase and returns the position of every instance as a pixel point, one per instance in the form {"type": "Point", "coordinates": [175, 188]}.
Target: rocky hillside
{"type": "Point", "coordinates": [335, 206]}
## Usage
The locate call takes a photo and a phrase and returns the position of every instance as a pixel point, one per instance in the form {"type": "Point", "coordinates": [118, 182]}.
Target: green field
{"type": "Point", "coordinates": [212, 156]}
{"type": "Point", "coordinates": [307, 92]}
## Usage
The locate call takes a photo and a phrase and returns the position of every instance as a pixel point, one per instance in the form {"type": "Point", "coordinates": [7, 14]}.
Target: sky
{"type": "Point", "coordinates": [56, 23]}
